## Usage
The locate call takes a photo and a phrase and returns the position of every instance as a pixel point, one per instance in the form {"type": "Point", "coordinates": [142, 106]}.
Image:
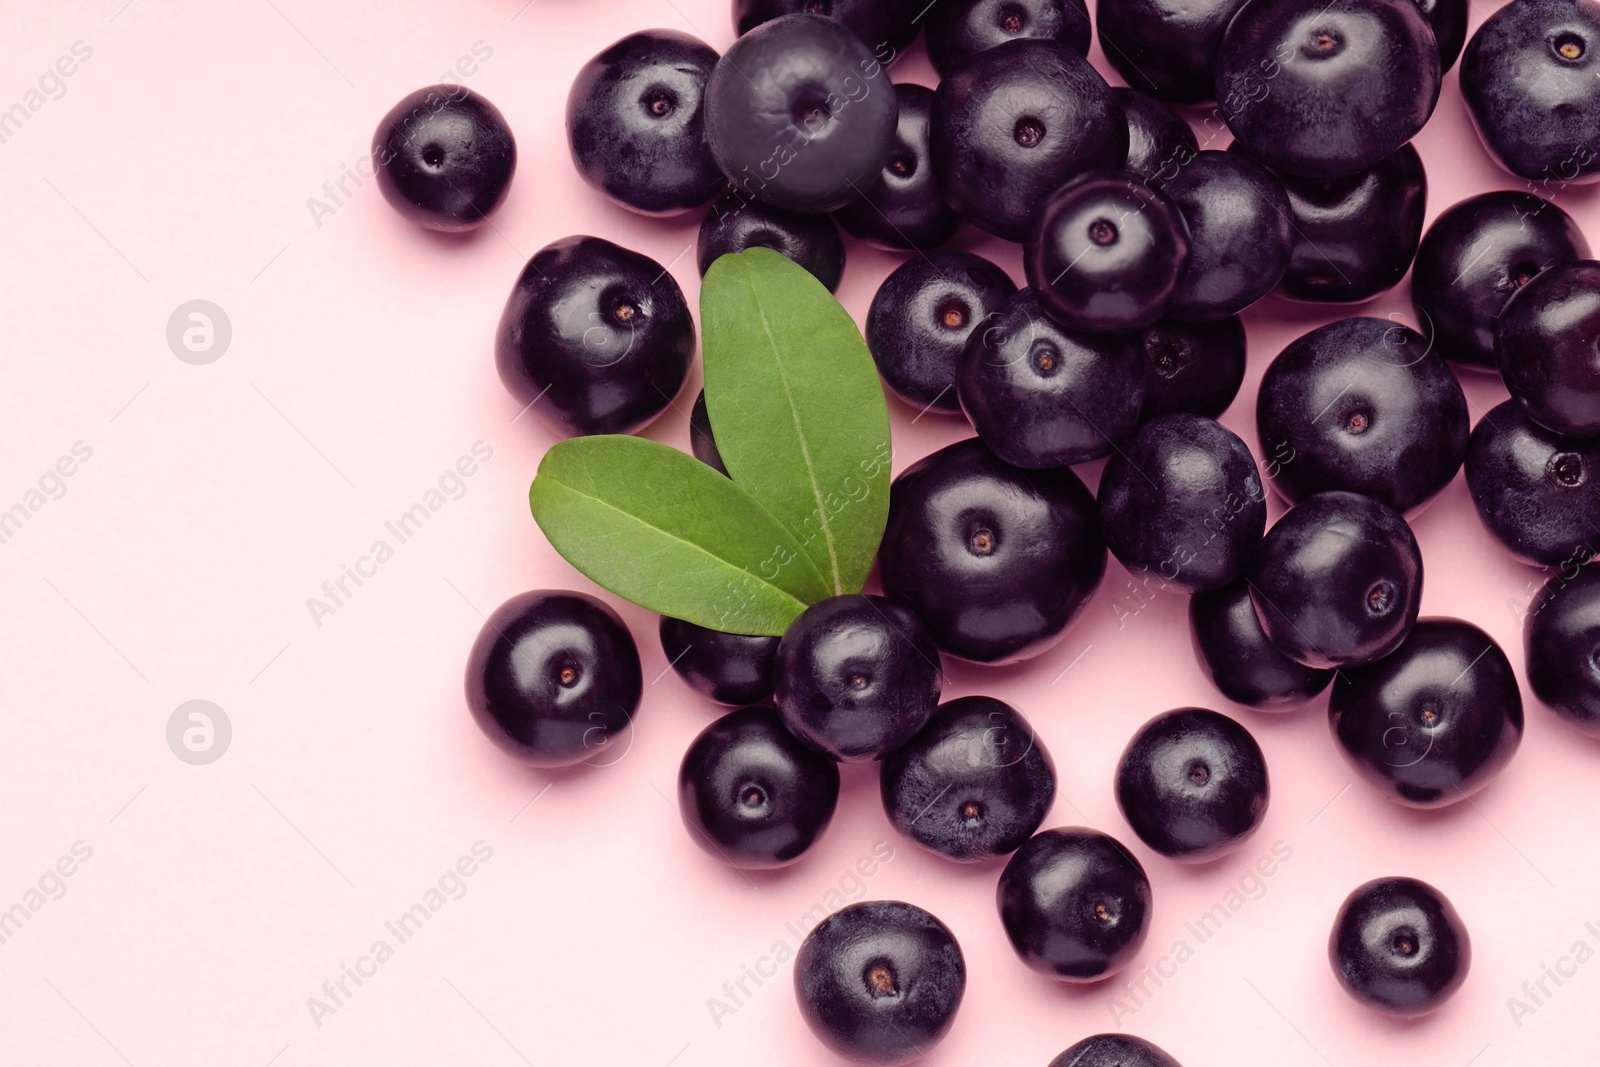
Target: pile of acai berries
{"type": "Point", "coordinates": [1140, 251]}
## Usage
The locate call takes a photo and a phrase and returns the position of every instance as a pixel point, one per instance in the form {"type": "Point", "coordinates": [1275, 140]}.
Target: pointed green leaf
{"type": "Point", "coordinates": [665, 531]}
{"type": "Point", "coordinates": [797, 409]}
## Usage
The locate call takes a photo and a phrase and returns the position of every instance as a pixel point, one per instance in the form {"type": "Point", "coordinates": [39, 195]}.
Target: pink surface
{"type": "Point", "coordinates": [175, 563]}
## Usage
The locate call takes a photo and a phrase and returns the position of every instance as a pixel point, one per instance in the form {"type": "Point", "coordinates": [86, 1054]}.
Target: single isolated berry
{"type": "Point", "coordinates": [879, 982]}
{"type": "Point", "coordinates": [1475, 256]}
{"type": "Point", "coordinates": [1546, 346]}
{"type": "Point", "coordinates": [1236, 654]}
{"type": "Point", "coordinates": [594, 338]}
{"type": "Point", "coordinates": [1399, 947]}
{"type": "Point", "coordinates": [1562, 641]}
{"type": "Point", "coordinates": [1337, 581]}
{"type": "Point", "coordinates": [1042, 395]}
{"type": "Point", "coordinates": [1106, 253]}
{"type": "Point", "coordinates": [1193, 784]}
{"type": "Point", "coordinates": [1114, 1050]}
{"type": "Point", "coordinates": [974, 784]}
{"type": "Point", "coordinates": [800, 114]}
{"type": "Point", "coordinates": [921, 318]}
{"type": "Point", "coordinates": [1529, 79]}
{"type": "Point", "coordinates": [1016, 121]}
{"type": "Point", "coordinates": [1196, 367]}
{"type": "Point", "coordinates": [733, 669]}
{"type": "Point", "coordinates": [904, 209]}
{"type": "Point", "coordinates": [996, 560]}
{"type": "Point", "coordinates": [1330, 91]}
{"type": "Point", "coordinates": [752, 795]}
{"type": "Point", "coordinates": [737, 222]}
{"type": "Point", "coordinates": [1433, 722]}
{"type": "Point", "coordinates": [1075, 904]}
{"type": "Point", "coordinates": [553, 677]}
{"type": "Point", "coordinates": [857, 676]}
{"type": "Point", "coordinates": [1537, 492]}
{"type": "Point", "coordinates": [636, 123]}
{"type": "Point", "coordinates": [960, 29]}
{"type": "Point", "coordinates": [1182, 502]}
{"type": "Point", "coordinates": [1367, 405]}
{"type": "Point", "coordinates": [444, 157]}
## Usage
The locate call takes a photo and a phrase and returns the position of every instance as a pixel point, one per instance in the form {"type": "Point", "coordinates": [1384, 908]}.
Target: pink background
{"type": "Point", "coordinates": [177, 164]}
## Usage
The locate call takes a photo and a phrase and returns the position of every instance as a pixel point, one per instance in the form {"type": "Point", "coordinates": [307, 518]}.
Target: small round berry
{"type": "Point", "coordinates": [1399, 947]}
{"type": "Point", "coordinates": [857, 676]}
{"type": "Point", "coordinates": [553, 677]}
{"type": "Point", "coordinates": [879, 982]}
{"type": "Point", "coordinates": [444, 158]}
{"type": "Point", "coordinates": [751, 794]}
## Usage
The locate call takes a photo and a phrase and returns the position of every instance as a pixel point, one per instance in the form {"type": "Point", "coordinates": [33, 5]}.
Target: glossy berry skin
{"type": "Point", "coordinates": [1235, 653]}
{"type": "Point", "coordinates": [997, 561]}
{"type": "Point", "coordinates": [1449, 21]}
{"type": "Point", "coordinates": [1167, 48]}
{"type": "Point", "coordinates": [701, 441]}
{"type": "Point", "coordinates": [1114, 1050]}
{"type": "Point", "coordinates": [921, 318]}
{"type": "Point", "coordinates": [1536, 492]}
{"type": "Point", "coordinates": [552, 677]}
{"type": "Point", "coordinates": [974, 784]}
{"type": "Point", "coordinates": [1399, 947]}
{"type": "Point", "coordinates": [1106, 252]}
{"type": "Point", "coordinates": [1529, 79]}
{"type": "Point", "coordinates": [1562, 641]}
{"type": "Point", "coordinates": [1545, 345]}
{"type": "Point", "coordinates": [736, 223]}
{"type": "Point", "coordinates": [636, 123]}
{"type": "Point", "coordinates": [1475, 256]}
{"type": "Point", "coordinates": [960, 29]}
{"type": "Point", "coordinates": [1432, 723]}
{"type": "Point", "coordinates": [1240, 234]}
{"type": "Point", "coordinates": [1013, 123]}
{"type": "Point", "coordinates": [879, 982]}
{"type": "Point", "coordinates": [444, 158]}
{"type": "Point", "coordinates": [904, 209]}
{"type": "Point", "coordinates": [1193, 784]}
{"type": "Point", "coordinates": [1043, 396]}
{"type": "Point", "coordinates": [1182, 501]}
{"type": "Point", "coordinates": [1160, 140]}
{"type": "Point", "coordinates": [1366, 405]}
{"type": "Point", "coordinates": [594, 338]}
{"type": "Point", "coordinates": [1355, 236]}
{"type": "Point", "coordinates": [1351, 82]}
{"type": "Point", "coordinates": [1075, 904]}
{"type": "Point", "coordinates": [1338, 580]}
{"type": "Point", "coordinates": [856, 676]}
{"type": "Point", "coordinates": [799, 114]}
{"type": "Point", "coordinates": [733, 669]}
{"type": "Point", "coordinates": [1192, 366]}
{"type": "Point", "coordinates": [753, 796]}
{"type": "Point", "coordinates": [884, 26]}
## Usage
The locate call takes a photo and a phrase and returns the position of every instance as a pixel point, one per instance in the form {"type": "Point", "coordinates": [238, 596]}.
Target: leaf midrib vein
{"type": "Point", "coordinates": [805, 448]}
{"type": "Point", "coordinates": [703, 550]}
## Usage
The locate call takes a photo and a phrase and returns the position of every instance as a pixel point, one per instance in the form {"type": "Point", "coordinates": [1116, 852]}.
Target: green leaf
{"type": "Point", "coordinates": [665, 531]}
{"type": "Point", "coordinates": [797, 409]}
